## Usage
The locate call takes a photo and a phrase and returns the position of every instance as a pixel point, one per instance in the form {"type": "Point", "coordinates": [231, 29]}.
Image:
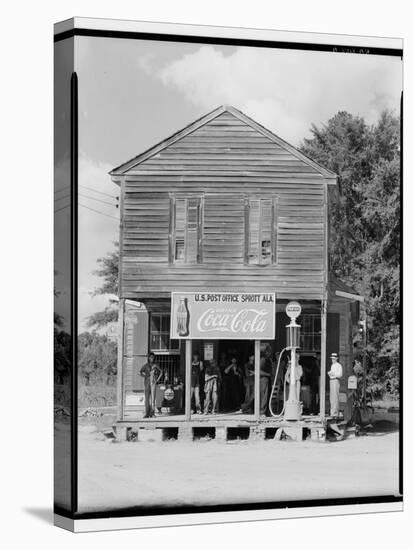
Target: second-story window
{"type": "Point", "coordinates": [186, 239]}
{"type": "Point", "coordinates": [261, 233]}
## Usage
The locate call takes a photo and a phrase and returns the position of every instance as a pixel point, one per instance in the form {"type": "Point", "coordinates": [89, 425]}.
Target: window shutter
{"type": "Point", "coordinates": [135, 347]}
{"type": "Point", "coordinates": [261, 234]}
{"type": "Point", "coordinates": [266, 231]}
{"type": "Point", "coordinates": [180, 224]}
{"type": "Point", "coordinates": [192, 231]}
{"type": "Point", "coordinates": [254, 231]}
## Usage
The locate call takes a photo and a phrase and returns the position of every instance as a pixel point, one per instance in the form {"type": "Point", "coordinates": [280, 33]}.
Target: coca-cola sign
{"type": "Point", "coordinates": [223, 315]}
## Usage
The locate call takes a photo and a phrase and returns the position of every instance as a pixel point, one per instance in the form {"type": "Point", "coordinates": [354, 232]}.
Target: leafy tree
{"type": "Point", "coordinates": [108, 270]}
{"type": "Point", "coordinates": [62, 345]}
{"type": "Point", "coordinates": [62, 355]}
{"type": "Point", "coordinates": [97, 358]}
{"type": "Point", "coordinates": [364, 216]}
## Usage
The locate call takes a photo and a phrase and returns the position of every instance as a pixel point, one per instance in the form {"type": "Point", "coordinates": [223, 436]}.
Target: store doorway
{"type": "Point", "coordinates": [226, 380]}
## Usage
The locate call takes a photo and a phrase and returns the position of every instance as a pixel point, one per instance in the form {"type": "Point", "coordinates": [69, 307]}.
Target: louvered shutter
{"type": "Point", "coordinates": [180, 228]}
{"type": "Point", "coordinates": [266, 233]}
{"type": "Point", "coordinates": [135, 347]}
{"type": "Point", "coordinates": [192, 232]}
{"type": "Point", "coordinates": [254, 231]}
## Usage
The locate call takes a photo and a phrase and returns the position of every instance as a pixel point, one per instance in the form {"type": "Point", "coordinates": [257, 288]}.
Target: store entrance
{"type": "Point", "coordinates": [226, 380]}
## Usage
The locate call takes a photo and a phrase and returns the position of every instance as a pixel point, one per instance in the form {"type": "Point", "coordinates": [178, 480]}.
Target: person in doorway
{"type": "Point", "coordinates": [196, 368]}
{"type": "Point", "coordinates": [247, 406]}
{"type": "Point", "coordinates": [212, 376]}
{"type": "Point", "coordinates": [222, 364]}
{"type": "Point", "coordinates": [151, 373]}
{"type": "Point", "coordinates": [335, 373]}
{"type": "Point", "coordinates": [298, 376]}
{"type": "Point", "coordinates": [314, 381]}
{"type": "Point", "coordinates": [232, 386]}
{"type": "Point", "coordinates": [265, 384]}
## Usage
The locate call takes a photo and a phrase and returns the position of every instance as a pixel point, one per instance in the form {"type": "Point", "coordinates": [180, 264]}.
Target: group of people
{"type": "Point", "coordinates": [228, 386]}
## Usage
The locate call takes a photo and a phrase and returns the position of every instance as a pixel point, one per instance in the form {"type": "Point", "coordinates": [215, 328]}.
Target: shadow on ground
{"type": "Point", "coordinates": [381, 427]}
{"type": "Point", "coordinates": [43, 514]}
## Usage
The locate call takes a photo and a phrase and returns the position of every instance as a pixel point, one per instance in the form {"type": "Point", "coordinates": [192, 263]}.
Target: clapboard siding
{"type": "Point", "coordinates": [225, 162]}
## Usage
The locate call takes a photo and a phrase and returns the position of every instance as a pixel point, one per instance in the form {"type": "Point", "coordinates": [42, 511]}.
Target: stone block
{"type": "Point", "coordinates": [185, 433]}
{"type": "Point", "coordinates": [121, 433]}
{"type": "Point", "coordinates": [318, 434]}
{"type": "Point", "coordinates": [221, 433]}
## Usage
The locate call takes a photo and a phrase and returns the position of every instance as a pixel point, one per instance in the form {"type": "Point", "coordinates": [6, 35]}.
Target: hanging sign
{"type": "Point", "coordinates": [293, 310]}
{"type": "Point", "coordinates": [223, 316]}
{"type": "Point", "coordinates": [352, 382]}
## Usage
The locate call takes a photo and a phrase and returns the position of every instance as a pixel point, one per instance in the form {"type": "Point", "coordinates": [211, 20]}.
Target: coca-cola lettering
{"type": "Point", "coordinates": [244, 321]}
{"type": "Point", "coordinates": [223, 315]}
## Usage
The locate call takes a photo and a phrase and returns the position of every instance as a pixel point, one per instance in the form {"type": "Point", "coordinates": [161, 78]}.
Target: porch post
{"type": "Point", "coordinates": [257, 352]}
{"type": "Point", "coordinates": [323, 366]}
{"type": "Point", "coordinates": [188, 361]}
{"type": "Point", "coordinates": [119, 377]}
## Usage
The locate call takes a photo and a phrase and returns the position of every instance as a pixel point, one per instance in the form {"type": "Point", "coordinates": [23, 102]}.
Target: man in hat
{"type": "Point", "coordinates": [335, 373]}
{"type": "Point", "coordinates": [151, 373]}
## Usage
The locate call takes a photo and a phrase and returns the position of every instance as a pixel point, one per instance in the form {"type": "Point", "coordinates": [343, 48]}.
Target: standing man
{"type": "Point", "coordinates": [265, 384]}
{"type": "Point", "coordinates": [212, 376]}
{"type": "Point", "coordinates": [335, 373]}
{"type": "Point", "coordinates": [315, 383]}
{"type": "Point", "coordinates": [151, 373]}
{"type": "Point", "coordinates": [196, 369]}
{"type": "Point", "coordinates": [248, 405]}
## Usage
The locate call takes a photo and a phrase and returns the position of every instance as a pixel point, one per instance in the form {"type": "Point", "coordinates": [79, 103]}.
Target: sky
{"type": "Point", "coordinates": [133, 94]}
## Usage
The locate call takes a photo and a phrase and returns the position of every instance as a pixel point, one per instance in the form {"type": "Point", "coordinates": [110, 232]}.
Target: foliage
{"type": "Point", "coordinates": [100, 395]}
{"type": "Point", "coordinates": [108, 270]}
{"type": "Point", "coordinates": [62, 354]}
{"type": "Point", "coordinates": [365, 226]}
{"type": "Point", "coordinates": [101, 319]}
{"type": "Point", "coordinates": [97, 358]}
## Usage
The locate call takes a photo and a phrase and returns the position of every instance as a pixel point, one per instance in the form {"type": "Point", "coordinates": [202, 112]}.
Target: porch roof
{"type": "Point", "coordinates": [338, 288]}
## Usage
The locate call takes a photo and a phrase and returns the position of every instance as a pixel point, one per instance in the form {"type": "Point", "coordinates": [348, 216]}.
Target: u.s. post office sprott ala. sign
{"type": "Point", "coordinates": [223, 315]}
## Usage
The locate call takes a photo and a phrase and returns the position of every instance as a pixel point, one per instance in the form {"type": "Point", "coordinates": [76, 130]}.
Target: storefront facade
{"type": "Point", "coordinates": [232, 219]}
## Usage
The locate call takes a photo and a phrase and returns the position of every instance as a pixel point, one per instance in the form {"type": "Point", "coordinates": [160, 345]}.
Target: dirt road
{"type": "Point", "coordinates": [175, 473]}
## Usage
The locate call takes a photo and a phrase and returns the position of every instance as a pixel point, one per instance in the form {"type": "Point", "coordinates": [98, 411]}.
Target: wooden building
{"type": "Point", "coordinates": [225, 206]}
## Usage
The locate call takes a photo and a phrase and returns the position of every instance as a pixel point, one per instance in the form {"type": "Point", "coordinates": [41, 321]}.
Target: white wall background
{"type": "Point", "coordinates": [27, 266]}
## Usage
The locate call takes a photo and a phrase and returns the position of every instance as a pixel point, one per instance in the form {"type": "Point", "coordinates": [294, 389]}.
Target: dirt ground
{"type": "Point", "coordinates": [206, 472]}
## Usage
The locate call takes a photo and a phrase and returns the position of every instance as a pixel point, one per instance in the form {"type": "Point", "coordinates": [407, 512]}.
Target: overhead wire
{"type": "Point", "coordinates": [98, 200]}
{"type": "Point", "coordinates": [95, 191]}
{"type": "Point", "coordinates": [98, 212]}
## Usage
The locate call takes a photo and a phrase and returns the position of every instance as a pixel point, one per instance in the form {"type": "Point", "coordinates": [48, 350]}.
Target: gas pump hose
{"type": "Point", "coordinates": [273, 388]}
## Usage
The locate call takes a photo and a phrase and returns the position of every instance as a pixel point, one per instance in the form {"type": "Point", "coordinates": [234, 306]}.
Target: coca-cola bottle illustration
{"type": "Point", "coordinates": [182, 318]}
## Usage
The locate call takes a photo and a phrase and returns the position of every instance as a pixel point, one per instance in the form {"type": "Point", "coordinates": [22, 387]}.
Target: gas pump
{"type": "Point", "coordinates": [292, 409]}
{"type": "Point", "coordinates": [292, 406]}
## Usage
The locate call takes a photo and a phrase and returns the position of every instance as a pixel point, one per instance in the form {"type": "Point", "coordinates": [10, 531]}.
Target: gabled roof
{"type": "Point", "coordinates": [125, 167]}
